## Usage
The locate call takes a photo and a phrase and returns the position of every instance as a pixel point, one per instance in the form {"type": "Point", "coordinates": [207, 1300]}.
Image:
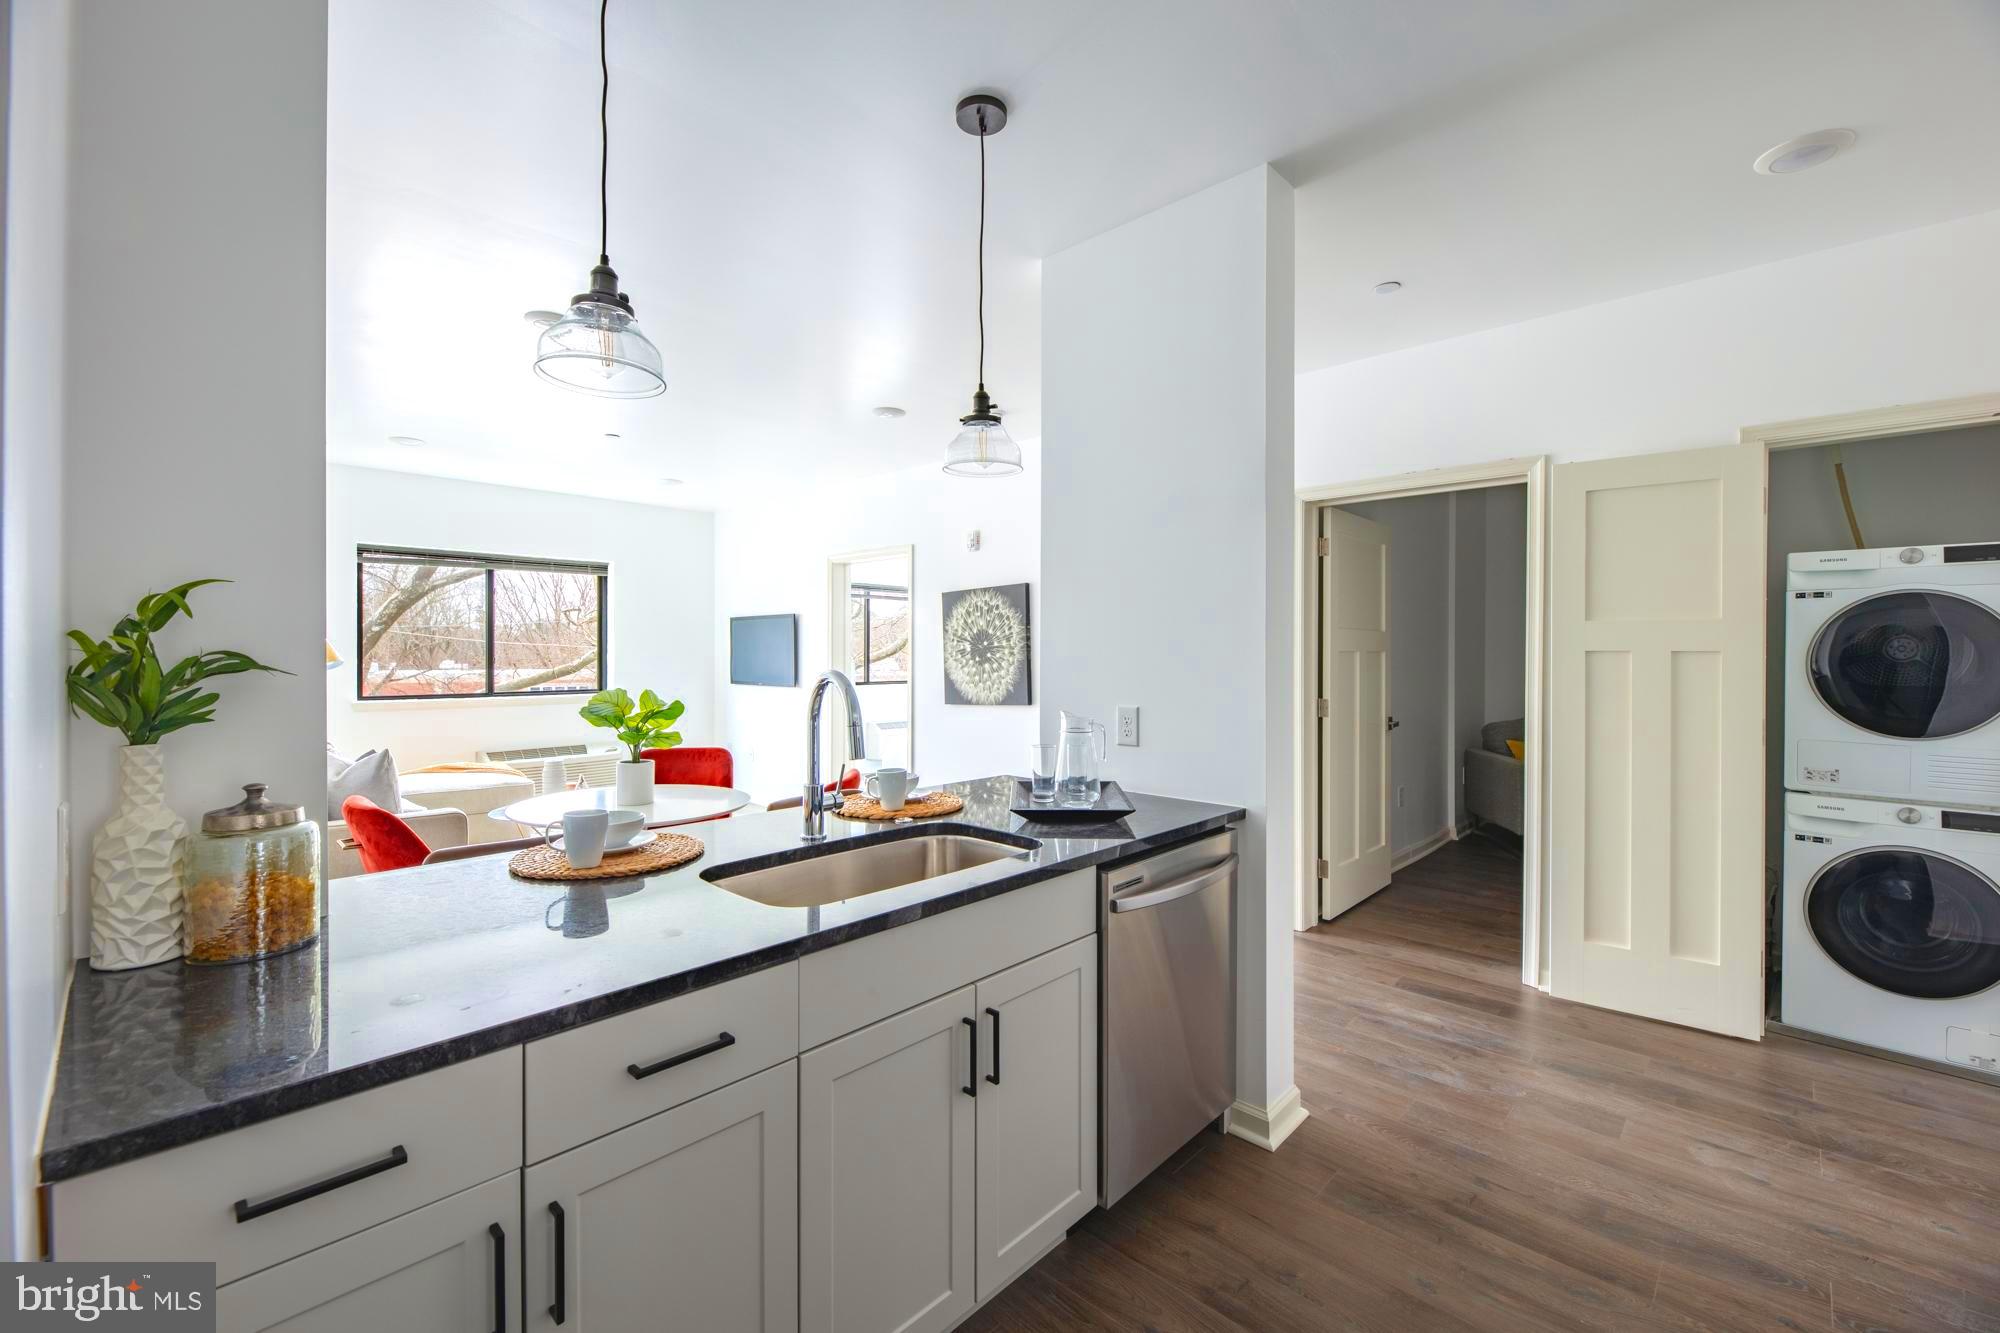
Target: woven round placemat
{"type": "Point", "coordinates": [667, 851]}
{"type": "Point", "coordinates": [917, 807]}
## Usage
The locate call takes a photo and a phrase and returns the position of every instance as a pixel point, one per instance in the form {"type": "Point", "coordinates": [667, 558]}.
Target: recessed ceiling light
{"type": "Point", "coordinates": [1384, 288]}
{"type": "Point", "coordinates": [1806, 151]}
{"type": "Point", "coordinates": [888, 413]}
{"type": "Point", "coordinates": [613, 435]}
{"type": "Point", "coordinates": [407, 441]}
{"type": "Point", "coordinates": [542, 318]}
{"type": "Point", "coordinates": [670, 481]}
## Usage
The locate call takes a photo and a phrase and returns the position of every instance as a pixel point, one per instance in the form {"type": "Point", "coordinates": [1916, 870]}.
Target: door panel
{"type": "Point", "coordinates": [1353, 738]}
{"type": "Point", "coordinates": [886, 1168]}
{"type": "Point", "coordinates": [1037, 1114]}
{"type": "Point", "coordinates": [688, 1219]}
{"type": "Point", "coordinates": [439, 1268]}
{"type": "Point", "coordinates": [1657, 711]}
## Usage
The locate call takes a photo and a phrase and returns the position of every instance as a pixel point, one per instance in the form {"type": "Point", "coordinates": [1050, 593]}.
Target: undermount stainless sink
{"type": "Point", "coordinates": [867, 867]}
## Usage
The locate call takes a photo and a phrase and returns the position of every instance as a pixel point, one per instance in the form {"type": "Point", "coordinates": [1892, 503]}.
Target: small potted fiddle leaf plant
{"type": "Point", "coordinates": [137, 857]}
{"type": "Point", "coordinates": [645, 725]}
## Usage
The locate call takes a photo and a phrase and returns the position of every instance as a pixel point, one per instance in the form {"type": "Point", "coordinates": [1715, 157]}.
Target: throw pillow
{"type": "Point", "coordinates": [1517, 749]}
{"type": "Point", "coordinates": [372, 775]}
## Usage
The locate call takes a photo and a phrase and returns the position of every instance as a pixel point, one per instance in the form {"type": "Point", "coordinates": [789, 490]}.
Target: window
{"type": "Point", "coordinates": [878, 633]}
{"type": "Point", "coordinates": [437, 624]}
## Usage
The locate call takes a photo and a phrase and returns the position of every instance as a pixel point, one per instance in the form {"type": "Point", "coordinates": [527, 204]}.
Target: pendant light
{"type": "Point", "coordinates": [597, 348]}
{"type": "Point", "coordinates": [983, 448]}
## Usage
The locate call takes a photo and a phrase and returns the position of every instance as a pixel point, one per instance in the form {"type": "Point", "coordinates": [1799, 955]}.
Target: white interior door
{"type": "Point", "coordinates": [1354, 731]}
{"type": "Point", "coordinates": [1657, 721]}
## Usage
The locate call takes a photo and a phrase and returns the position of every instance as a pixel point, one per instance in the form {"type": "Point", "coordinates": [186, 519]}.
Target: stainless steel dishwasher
{"type": "Point", "coordinates": [1169, 1004]}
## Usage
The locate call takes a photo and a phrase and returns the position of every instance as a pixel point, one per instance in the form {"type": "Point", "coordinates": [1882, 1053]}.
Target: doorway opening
{"type": "Point", "coordinates": [1424, 610]}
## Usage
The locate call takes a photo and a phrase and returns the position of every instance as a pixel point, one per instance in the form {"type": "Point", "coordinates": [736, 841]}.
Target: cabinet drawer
{"type": "Point", "coordinates": [426, 1137]}
{"type": "Point", "coordinates": [582, 1085]}
{"type": "Point", "coordinates": [849, 987]}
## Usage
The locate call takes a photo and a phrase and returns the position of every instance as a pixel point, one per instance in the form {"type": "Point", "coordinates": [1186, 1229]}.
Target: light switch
{"type": "Point", "coordinates": [1128, 724]}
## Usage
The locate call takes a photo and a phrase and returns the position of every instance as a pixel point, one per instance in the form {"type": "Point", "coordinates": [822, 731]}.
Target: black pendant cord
{"type": "Point", "coordinates": [604, 138]}
{"type": "Point", "coordinates": [982, 262]}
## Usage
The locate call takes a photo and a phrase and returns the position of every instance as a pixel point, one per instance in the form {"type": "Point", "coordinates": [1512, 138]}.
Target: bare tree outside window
{"type": "Point", "coordinates": [878, 634]}
{"type": "Point", "coordinates": [458, 626]}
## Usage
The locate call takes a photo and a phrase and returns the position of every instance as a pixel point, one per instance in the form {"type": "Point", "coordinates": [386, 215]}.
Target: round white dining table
{"type": "Point", "coordinates": [672, 804]}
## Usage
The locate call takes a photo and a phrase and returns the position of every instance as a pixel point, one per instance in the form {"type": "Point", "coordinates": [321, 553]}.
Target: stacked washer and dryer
{"type": "Point", "coordinates": [1891, 927]}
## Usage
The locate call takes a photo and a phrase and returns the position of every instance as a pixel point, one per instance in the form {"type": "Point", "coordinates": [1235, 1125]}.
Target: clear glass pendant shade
{"type": "Point", "coordinates": [983, 449]}
{"type": "Point", "coordinates": [597, 348]}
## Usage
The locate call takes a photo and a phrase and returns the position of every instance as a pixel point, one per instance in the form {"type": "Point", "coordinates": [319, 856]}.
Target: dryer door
{"type": "Point", "coordinates": [1913, 664]}
{"type": "Point", "coordinates": [1911, 922]}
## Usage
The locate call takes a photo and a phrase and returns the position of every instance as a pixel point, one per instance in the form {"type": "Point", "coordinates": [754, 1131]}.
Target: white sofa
{"type": "Point", "coordinates": [444, 809]}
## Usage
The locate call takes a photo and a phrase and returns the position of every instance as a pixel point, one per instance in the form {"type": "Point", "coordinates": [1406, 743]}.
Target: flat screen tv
{"type": "Point", "coordinates": [763, 650]}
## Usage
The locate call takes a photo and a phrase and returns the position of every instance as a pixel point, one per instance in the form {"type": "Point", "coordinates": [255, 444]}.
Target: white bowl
{"type": "Point", "coordinates": [625, 825]}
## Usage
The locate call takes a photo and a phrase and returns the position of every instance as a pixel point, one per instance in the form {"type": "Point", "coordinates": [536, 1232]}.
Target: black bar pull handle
{"type": "Point", "coordinates": [246, 1210]}
{"type": "Point", "coordinates": [994, 1077]}
{"type": "Point", "coordinates": [723, 1041]}
{"type": "Point", "coordinates": [971, 1088]}
{"type": "Point", "coordinates": [499, 1235]}
{"type": "Point", "coordinates": [560, 1310]}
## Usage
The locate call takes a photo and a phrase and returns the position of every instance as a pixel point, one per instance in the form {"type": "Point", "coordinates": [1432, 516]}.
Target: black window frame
{"type": "Point", "coordinates": [365, 555]}
{"type": "Point", "coordinates": [867, 593]}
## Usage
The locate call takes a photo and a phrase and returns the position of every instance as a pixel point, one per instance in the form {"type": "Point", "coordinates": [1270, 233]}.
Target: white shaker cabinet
{"type": "Point", "coordinates": [686, 1220]}
{"type": "Point", "coordinates": [449, 1267]}
{"type": "Point", "coordinates": [1037, 1108]}
{"type": "Point", "coordinates": [886, 1173]}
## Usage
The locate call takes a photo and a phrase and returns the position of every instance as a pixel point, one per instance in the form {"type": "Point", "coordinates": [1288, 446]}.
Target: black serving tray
{"type": "Point", "coordinates": [1112, 804]}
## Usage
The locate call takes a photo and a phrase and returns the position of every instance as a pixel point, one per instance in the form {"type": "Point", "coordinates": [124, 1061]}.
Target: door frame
{"type": "Point", "coordinates": [836, 621]}
{"type": "Point", "coordinates": [1533, 472]}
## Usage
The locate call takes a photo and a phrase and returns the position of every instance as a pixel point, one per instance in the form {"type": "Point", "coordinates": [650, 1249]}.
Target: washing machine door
{"type": "Point", "coordinates": [1913, 664]}
{"type": "Point", "coordinates": [1911, 922]}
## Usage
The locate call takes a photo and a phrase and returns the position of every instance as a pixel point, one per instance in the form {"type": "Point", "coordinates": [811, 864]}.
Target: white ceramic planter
{"type": "Point", "coordinates": [137, 861]}
{"type": "Point", "coordinates": [634, 790]}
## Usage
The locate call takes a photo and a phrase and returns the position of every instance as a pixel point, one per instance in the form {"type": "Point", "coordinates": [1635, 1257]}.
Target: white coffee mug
{"type": "Point", "coordinates": [583, 834]}
{"type": "Point", "coordinates": [891, 786]}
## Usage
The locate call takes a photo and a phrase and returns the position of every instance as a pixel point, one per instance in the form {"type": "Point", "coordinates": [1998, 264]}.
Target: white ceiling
{"type": "Point", "coordinates": [793, 207]}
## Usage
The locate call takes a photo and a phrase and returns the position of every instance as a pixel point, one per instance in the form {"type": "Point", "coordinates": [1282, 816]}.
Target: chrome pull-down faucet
{"type": "Point", "coordinates": [817, 798]}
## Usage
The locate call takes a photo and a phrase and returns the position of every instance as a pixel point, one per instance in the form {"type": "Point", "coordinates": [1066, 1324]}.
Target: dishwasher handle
{"type": "Point", "coordinates": [1173, 890]}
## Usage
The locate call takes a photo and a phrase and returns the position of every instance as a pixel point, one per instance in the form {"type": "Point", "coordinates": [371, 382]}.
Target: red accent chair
{"type": "Point", "coordinates": [692, 765]}
{"type": "Point", "coordinates": [383, 839]}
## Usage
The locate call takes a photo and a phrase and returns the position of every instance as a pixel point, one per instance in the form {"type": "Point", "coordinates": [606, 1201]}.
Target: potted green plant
{"type": "Point", "coordinates": [645, 725]}
{"type": "Point", "coordinates": [137, 857]}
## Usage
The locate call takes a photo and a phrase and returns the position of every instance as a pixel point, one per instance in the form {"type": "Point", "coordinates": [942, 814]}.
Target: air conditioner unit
{"type": "Point", "coordinates": [583, 765]}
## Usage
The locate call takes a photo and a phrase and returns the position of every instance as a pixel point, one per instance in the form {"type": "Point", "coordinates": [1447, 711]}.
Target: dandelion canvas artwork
{"type": "Point", "coordinates": [986, 646]}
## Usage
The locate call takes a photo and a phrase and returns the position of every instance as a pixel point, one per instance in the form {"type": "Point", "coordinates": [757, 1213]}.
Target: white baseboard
{"type": "Point", "coordinates": [1422, 849]}
{"type": "Point", "coordinates": [1266, 1126]}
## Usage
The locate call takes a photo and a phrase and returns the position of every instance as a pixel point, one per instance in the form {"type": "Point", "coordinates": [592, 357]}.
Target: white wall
{"type": "Point", "coordinates": [1470, 623]}
{"type": "Point", "coordinates": [1421, 675]}
{"type": "Point", "coordinates": [1916, 490]}
{"type": "Point", "coordinates": [772, 560]}
{"type": "Point", "coordinates": [35, 958]}
{"type": "Point", "coordinates": [1505, 575]}
{"type": "Point", "coordinates": [660, 633]}
{"type": "Point", "coordinates": [196, 432]}
{"type": "Point", "coordinates": [1168, 535]}
{"type": "Point", "coordinates": [1904, 318]}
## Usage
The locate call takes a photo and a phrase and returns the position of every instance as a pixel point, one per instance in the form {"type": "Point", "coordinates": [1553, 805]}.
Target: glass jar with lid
{"type": "Point", "coordinates": [253, 882]}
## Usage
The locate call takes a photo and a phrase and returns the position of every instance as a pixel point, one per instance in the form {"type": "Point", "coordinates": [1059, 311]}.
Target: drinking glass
{"type": "Point", "coordinates": [1042, 774]}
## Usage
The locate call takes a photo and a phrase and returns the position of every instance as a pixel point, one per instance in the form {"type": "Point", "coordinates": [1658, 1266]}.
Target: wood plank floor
{"type": "Point", "coordinates": [1480, 1156]}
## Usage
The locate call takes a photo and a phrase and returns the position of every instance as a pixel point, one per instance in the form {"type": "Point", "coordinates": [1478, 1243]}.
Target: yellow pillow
{"type": "Point", "coordinates": [1516, 749]}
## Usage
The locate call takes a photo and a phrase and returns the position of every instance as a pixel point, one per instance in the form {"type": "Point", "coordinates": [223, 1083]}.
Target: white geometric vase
{"type": "Point", "coordinates": [136, 865]}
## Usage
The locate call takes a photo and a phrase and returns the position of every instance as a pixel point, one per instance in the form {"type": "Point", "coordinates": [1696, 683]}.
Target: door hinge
{"type": "Point", "coordinates": [1324, 546]}
{"type": "Point", "coordinates": [1319, 868]}
{"type": "Point", "coordinates": [1322, 708]}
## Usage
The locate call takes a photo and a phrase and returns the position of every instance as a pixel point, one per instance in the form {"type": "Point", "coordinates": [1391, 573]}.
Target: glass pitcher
{"type": "Point", "coordinates": [1080, 751]}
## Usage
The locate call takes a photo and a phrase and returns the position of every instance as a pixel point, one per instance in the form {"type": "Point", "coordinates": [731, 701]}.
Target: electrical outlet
{"type": "Point", "coordinates": [1128, 724]}
{"type": "Point", "coordinates": [1402, 797]}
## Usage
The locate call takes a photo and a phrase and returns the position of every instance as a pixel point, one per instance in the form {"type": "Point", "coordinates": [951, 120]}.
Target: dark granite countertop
{"type": "Point", "coordinates": [421, 968]}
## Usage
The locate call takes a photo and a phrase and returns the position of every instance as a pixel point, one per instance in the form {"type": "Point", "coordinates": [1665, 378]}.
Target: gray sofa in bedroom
{"type": "Point", "coordinates": [1494, 778]}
